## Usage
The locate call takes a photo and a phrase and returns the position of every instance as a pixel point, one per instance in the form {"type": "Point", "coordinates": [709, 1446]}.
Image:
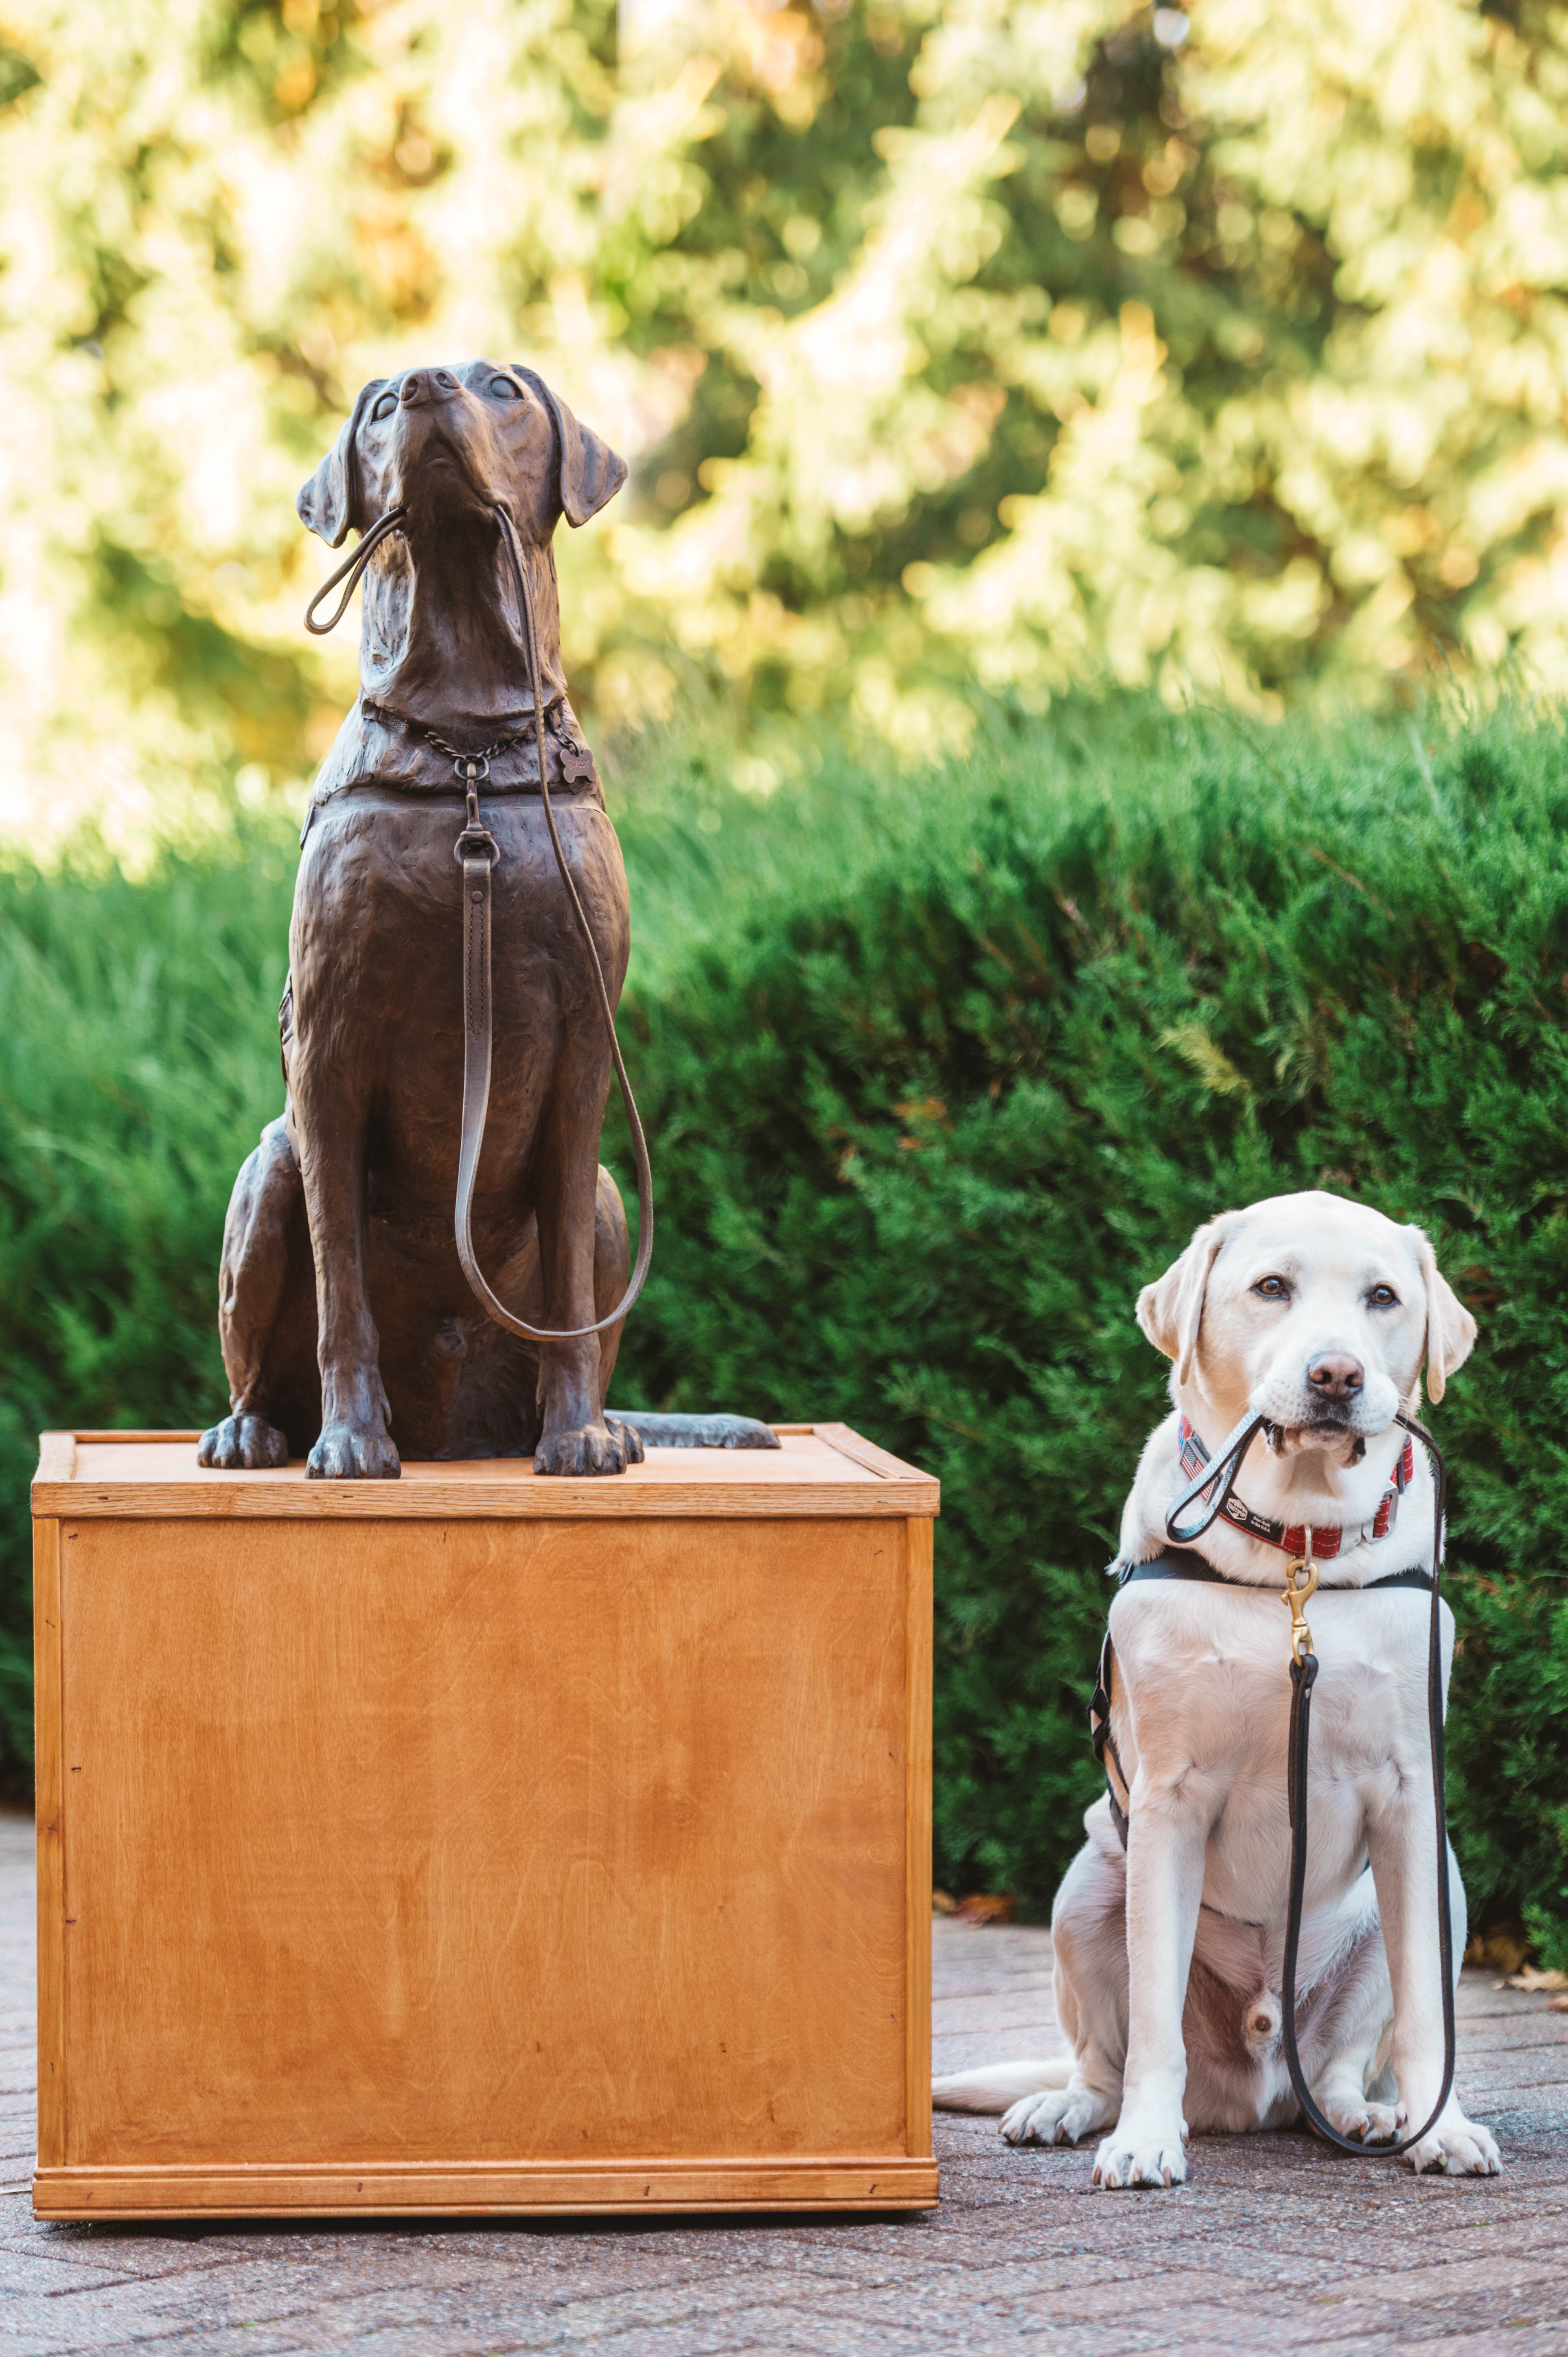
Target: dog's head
{"type": "Point", "coordinates": [1311, 1310]}
{"type": "Point", "coordinates": [444, 443]}
{"type": "Point", "coordinates": [441, 640]}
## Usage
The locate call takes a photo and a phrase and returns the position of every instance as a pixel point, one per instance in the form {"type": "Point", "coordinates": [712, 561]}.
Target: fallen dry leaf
{"type": "Point", "coordinates": [1504, 1948]}
{"type": "Point", "coordinates": [1533, 1978]}
{"type": "Point", "coordinates": [986, 1907]}
{"type": "Point", "coordinates": [1557, 2004]}
{"type": "Point", "coordinates": [943, 1903]}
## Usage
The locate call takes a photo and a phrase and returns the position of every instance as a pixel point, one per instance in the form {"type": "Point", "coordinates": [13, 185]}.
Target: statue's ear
{"type": "Point", "coordinates": [329, 502]}
{"type": "Point", "coordinates": [590, 471]}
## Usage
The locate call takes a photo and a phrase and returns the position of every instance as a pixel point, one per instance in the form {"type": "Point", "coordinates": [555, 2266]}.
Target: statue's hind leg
{"type": "Point", "coordinates": [266, 1205]}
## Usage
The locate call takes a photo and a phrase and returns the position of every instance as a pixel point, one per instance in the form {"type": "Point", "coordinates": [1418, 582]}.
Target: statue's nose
{"type": "Point", "coordinates": [432, 384]}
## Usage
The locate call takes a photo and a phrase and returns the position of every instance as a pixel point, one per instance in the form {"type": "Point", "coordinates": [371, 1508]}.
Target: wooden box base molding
{"type": "Point", "coordinates": [475, 1844]}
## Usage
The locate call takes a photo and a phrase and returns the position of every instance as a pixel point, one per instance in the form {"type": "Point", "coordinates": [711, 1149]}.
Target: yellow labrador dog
{"type": "Point", "coordinates": [1316, 1313]}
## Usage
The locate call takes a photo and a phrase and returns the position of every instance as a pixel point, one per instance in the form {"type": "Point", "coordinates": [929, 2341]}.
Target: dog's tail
{"type": "Point", "coordinates": [999, 2085]}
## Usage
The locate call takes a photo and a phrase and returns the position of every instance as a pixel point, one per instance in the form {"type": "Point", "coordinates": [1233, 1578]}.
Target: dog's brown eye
{"type": "Point", "coordinates": [1383, 1297]}
{"type": "Point", "coordinates": [504, 389]}
{"type": "Point", "coordinates": [385, 406]}
{"type": "Point", "coordinates": [1272, 1289]}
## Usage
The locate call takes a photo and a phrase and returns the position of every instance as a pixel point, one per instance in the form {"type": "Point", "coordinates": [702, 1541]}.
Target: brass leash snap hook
{"type": "Point", "coordinates": [1299, 1597]}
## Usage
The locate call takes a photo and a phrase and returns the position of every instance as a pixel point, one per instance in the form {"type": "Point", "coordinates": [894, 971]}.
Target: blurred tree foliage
{"type": "Point", "coordinates": [954, 342]}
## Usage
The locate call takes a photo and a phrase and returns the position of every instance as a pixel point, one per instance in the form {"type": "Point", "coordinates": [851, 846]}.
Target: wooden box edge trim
{"type": "Point", "coordinates": [899, 1491]}
{"type": "Point", "coordinates": [471, 2187]}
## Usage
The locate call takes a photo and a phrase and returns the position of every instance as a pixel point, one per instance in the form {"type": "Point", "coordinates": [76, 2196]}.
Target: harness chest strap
{"type": "Point", "coordinates": [1178, 1564]}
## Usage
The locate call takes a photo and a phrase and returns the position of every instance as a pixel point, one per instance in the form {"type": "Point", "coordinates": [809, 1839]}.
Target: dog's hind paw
{"type": "Point", "coordinates": [1061, 2117]}
{"type": "Point", "coordinates": [242, 1444]}
{"type": "Point", "coordinates": [584, 1449]}
{"type": "Point", "coordinates": [1458, 2149]}
{"type": "Point", "coordinates": [347, 1452]}
{"type": "Point", "coordinates": [1363, 2123]}
{"type": "Point", "coordinates": [1134, 2160]}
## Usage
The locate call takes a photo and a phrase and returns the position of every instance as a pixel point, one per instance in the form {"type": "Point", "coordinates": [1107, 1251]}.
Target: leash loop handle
{"type": "Point", "coordinates": [1218, 1477]}
{"type": "Point", "coordinates": [1303, 1677]}
{"type": "Point", "coordinates": [352, 565]}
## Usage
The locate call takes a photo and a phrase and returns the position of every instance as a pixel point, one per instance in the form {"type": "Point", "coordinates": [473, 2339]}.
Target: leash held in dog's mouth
{"type": "Point", "coordinates": [348, 572]}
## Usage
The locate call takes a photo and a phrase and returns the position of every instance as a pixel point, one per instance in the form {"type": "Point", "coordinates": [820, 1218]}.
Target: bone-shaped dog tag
{"type": "Point", "coordinates": [577, 764]}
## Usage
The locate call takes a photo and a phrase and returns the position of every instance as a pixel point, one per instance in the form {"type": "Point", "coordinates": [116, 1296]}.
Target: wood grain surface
{"type": "Point", "coordinates": [511, 1847]}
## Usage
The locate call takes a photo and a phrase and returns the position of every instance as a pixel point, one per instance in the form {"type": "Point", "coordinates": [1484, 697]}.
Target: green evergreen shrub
{"type": "Point", "coordinates": [929, 1113]}
{"type": "Point", "coordinates": [938, 1072]}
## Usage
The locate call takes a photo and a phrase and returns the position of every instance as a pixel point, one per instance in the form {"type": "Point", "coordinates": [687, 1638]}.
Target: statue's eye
{"type": "Point", "coordinates": [385, 406]}
{"type": "Point", "coordinates": [504, 389]}
{"type": "Point", "coordinates": [1272, 1289]}
{"type": "Point", "coordinates": [1383, 1297]}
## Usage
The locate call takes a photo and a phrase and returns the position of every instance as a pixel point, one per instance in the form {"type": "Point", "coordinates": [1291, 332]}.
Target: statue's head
{"type": "Point", "coordinates": [441, 449]}
{"type": "Point", "coordinates": [447, 444]}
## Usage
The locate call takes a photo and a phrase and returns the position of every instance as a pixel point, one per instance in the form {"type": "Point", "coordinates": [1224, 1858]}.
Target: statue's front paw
{"type": "Point", "coordinates": [354, 1452]}
{"type": "Point", "coordinates": [242, 1444]}
{"type": "Point", "coordinates": [583, 1449]}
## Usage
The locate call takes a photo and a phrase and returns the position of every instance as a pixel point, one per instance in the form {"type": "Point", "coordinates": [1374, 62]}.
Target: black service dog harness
{"type": "Point", "coordinates": [1209, 1488]}
{"type": "Point", "coordinates": [1178, 1562]}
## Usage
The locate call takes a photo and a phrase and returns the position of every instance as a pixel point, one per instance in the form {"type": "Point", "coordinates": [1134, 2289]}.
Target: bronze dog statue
{"type": "Point", "coordinates": [348, 1304]}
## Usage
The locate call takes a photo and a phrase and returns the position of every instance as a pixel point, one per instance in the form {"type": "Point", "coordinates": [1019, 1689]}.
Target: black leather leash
{"type": "Point", "coordinates": [478, 854]}
{"type": "Point", "coordinates": [1219, 1477]}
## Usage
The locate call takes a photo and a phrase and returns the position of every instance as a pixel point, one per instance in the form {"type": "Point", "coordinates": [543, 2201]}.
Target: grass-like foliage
{"type": "Point", "coordinates": [938, 1073]}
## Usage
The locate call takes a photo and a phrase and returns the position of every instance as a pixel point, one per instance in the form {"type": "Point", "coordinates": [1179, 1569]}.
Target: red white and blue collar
{"type": "Point", "coordinates": [1328, 1539]}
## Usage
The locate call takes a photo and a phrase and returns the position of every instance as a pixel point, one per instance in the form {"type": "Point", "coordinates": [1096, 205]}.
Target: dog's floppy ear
{"type": "Point", "coordinates": [1450, 1330]}
{"type": "Point", "coordinates": [329, 502]}
{"type": "Point", "coordinates": [1170, 1311]}
{"type": "Point", "coordinates": [590, 471]}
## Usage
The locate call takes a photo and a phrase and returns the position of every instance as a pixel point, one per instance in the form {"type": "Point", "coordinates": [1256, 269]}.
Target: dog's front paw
{"type": "Point", "coordinates": [242, 1444]}
{"type": "Point", "coordinates": [349, 1452]}
{"type": "Point", "coordinates": [631, 1442]}
{"type": "Point", "coordinates": [1059, 2117]}
{"type": "Point", "coordinates": [583, 1449]}
{"type": "Point", "coordinates": [1457, 2147]}
{"type": "Point", "coordinates": [1129, 2157]}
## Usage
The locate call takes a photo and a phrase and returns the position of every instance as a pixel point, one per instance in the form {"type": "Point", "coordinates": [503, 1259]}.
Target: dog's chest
{"type": "Point", "coordinates": [1201, 1711]}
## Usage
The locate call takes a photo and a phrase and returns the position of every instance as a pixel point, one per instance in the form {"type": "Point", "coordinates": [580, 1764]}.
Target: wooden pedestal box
{"type": "Point", "coordinates": [480, 1842]}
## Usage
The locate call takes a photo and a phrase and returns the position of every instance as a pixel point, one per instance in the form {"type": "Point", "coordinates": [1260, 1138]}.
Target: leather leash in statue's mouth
{"type": "Point", "coordinates": [1209, 1488]}
{"type": "Point", "coordinates": [478, 854]}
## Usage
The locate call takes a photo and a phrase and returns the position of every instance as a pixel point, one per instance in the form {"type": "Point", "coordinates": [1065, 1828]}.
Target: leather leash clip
{"type": "Point", "coordinates": [1298, 1598]}
{"type": "Point", "coordinates": [476, 839]}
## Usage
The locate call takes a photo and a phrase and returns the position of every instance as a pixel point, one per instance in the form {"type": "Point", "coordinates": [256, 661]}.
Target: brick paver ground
{"type": "Point", "coordinates": [1276, 2244]}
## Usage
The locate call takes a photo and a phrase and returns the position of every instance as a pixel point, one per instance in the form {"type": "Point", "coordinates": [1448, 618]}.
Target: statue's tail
{"type": "Point", "coordinates": [695, 1431]}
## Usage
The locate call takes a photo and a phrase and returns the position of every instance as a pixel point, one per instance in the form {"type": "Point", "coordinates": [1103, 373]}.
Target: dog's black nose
{"type": "Point", "coordinates": [1336, 1375]}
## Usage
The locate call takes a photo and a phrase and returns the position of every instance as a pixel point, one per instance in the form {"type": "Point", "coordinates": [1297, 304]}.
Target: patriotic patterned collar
{"type": "Point", "coordinates": [1328, 1540]}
